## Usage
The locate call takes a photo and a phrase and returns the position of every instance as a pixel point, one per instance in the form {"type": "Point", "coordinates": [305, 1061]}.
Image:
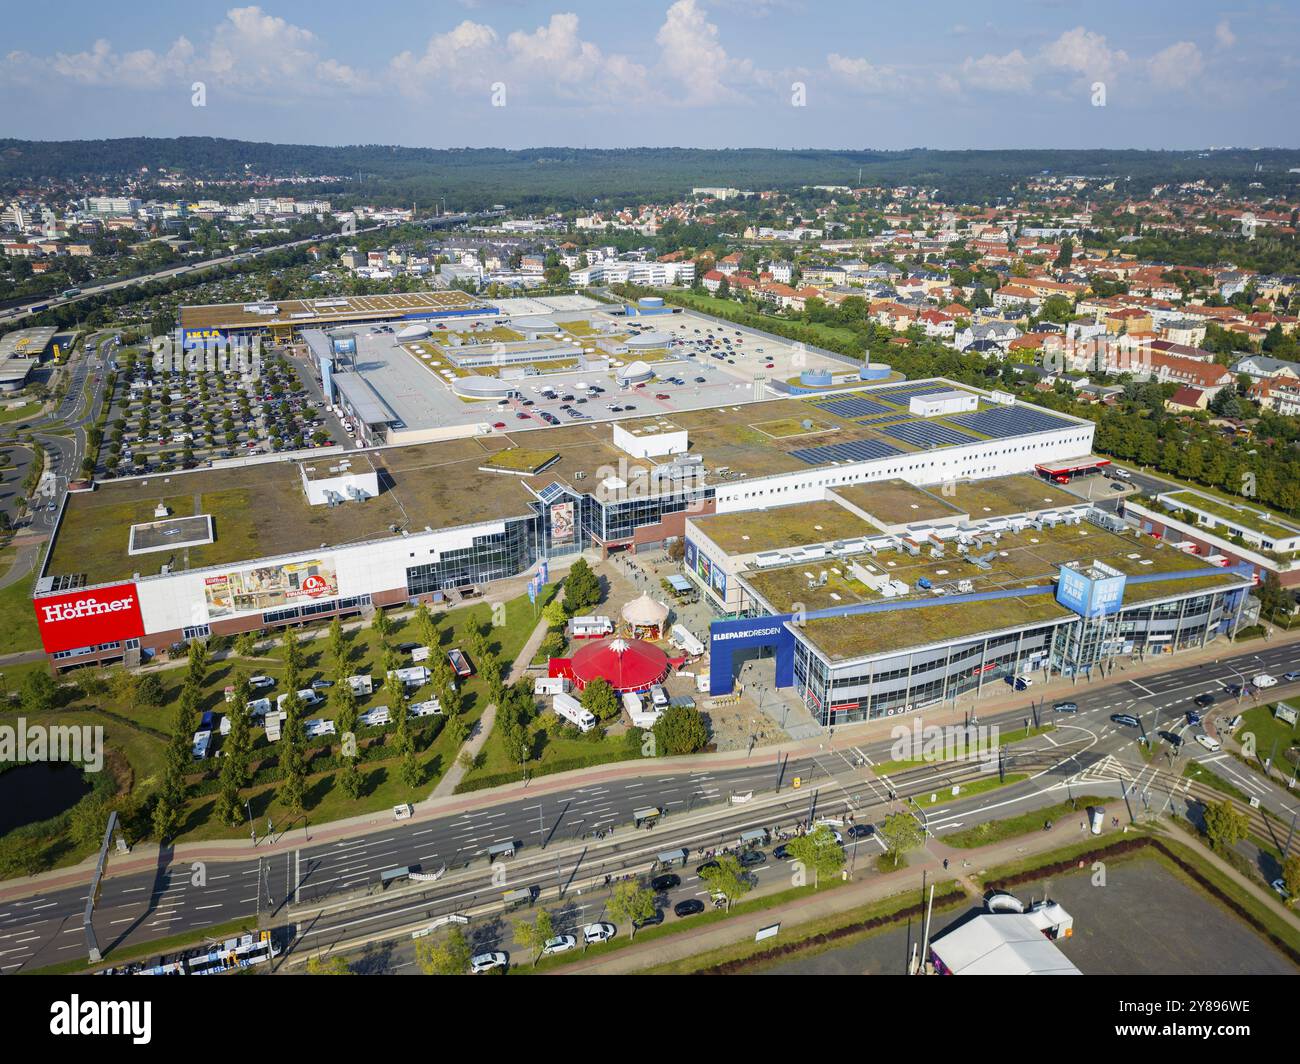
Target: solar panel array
{"type": "Point", "coordinates": [1004, 421]}
{"type": "Point", "coordinates": [880, 419]}
{"type": "Point", "coordinates": [903, 394]}
{"type": "Point", "coordinates": [927, 434]}
{"type": "Point", "coordinates": [856, 451]}
{"type": "Point", "coordinates": [851, 406]}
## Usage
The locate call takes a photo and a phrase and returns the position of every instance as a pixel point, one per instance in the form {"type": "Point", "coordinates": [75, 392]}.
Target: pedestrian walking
{"type": "Point", "coordinates": [945, 864]}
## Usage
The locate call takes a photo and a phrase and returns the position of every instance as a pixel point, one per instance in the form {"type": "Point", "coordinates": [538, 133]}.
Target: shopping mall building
{"type": "Point", "coordinates": [140, 564]}
{"type": "Point", "coordinates": [886, 598]}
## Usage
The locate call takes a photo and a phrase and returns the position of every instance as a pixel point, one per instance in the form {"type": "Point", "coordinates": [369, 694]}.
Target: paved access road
{"type": "Point", "coordinates": [173, 898]}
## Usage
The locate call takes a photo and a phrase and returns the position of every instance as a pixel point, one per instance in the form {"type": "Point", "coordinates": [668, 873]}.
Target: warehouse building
{"type": "Point", "coordinates": [450, 517]}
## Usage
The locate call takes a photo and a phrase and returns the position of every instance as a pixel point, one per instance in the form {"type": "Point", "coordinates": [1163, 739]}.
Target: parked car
{"type": "Point", "coordinates": [689, 907]}
{"type": "Point", "coordinates": [599, 932]}
{"type": "Point", "coordinates": [260, 682]}
{"type": "Point", "coordinates": [321, 685]}
{"type": "Point", "coordinates": [667, 881]}
{"type": "Point", "coordinates": [701, 869]}
{"type": "Point", "coordinates": [485, 962]}
{"type": "Point", "coordinates": [656, 917]}
{"type": "Point", "coordinates": [1279, 885]}
{"type": "Point", "coordinates": [559, 944]}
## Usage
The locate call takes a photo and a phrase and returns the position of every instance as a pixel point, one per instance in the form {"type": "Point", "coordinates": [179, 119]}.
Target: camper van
{"type": "Point", "coordinates": [361, 685]}
{"type": "Point", "coordinates": [570, 709]}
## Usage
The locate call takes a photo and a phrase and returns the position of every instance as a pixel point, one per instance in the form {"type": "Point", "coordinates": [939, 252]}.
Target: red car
{"type": "Point", "coordinates": [498, 424]}
{"type": "Point", "coordinates": [662, 395]}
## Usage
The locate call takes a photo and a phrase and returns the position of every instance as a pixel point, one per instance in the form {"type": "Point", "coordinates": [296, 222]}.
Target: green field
{"type": "Point", "coordinates": [18, 629]}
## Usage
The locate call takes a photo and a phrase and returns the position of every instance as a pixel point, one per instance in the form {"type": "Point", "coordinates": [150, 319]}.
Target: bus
{"type": "Point", "coordinates": [68, 293]}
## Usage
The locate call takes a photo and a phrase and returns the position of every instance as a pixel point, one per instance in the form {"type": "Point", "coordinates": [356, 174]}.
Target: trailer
{"type": "Point", "coordinates": [416, 676]}
{"type": "Point", "coordinates": [430, 708]}
{"type": "Point", "coordinates": [682, 638]}
{"type": "Point", "coordinates": [361, 685]}
{"type": "Point", "coordinates": [590, 627]}
{"type": "Point", "coordinates": [199, 748]}
{"type": "Point", "coordinates": [551, 685]}
{"type": "Point", "coordinates": [459, 663]}
{"type": "Point", "coordinates": [568, 708]}
{"type": "Point", "coordinates": [374, 718]}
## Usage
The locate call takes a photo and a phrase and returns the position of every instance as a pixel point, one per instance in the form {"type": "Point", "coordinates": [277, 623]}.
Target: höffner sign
{"type": "Point", "coordinates": [88, 618]}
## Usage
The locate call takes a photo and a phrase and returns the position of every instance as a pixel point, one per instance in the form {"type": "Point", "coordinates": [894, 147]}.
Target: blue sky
{"type": "Point", "coordinates": [693, 73]}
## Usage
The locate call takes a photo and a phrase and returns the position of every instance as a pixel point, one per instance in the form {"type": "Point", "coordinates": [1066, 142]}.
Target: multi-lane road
{"type": "Point", "coordinates": [311, 885]}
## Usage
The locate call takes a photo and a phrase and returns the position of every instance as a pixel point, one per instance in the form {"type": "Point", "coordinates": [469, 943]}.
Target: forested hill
{"type": "Point", "coordinates": [473, 177]}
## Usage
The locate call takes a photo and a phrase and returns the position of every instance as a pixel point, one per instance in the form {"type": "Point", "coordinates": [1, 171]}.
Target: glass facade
{"type": "Point", "coordinates": [492, 556]}
{"type": "Point", "coordinates": [906, 682]}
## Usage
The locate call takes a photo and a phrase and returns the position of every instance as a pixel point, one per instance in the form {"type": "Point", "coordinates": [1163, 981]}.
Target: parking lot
{"type": "Point", "coordinates": [163, 419]}
{"type": "Point", "coordinates": [1145, 920]}
{"type": "Point", "coordinates": [700, 365]}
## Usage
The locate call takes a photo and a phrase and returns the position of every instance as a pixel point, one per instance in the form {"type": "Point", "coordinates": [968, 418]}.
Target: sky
{"type": "Point", "coordinates": [686, 73]}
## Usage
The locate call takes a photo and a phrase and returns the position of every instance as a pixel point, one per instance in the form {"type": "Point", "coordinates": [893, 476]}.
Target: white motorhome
{"type": "Point", "coordinates": [551, 685]}
{"type": "Point", "coordinates": [569, 708]}
{"type": "Point", "coordinates": [361, 685]}
{"type": "Point", "coordinates": [416, 676]}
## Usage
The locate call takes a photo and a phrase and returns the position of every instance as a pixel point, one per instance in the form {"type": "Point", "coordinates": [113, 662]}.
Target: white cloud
{"type": "Point", "coordinates": [1224, 35]}
{"type": "Point", "coordinates": [1084, 53]}
{"type": "Point", "coordinates": [1176, 67]}
{"type": "Point", "coordinates": [999, 73]}
{"type": "Point", "coordinates": [249, 53]}
{"type": "Point", "coordinates": [864, 75]}
{"type": "Point", "coordinates": [692, 57]}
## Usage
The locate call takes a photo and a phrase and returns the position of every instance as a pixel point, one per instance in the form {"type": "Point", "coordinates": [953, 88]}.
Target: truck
{"type": "Point", "coordinates": [568, 708]}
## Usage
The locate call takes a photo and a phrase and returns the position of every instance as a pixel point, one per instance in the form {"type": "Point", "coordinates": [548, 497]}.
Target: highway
{"type": "Point", "coordinates": [14, 314]}
{"type": "Point", "coordinates": [1087, 751]}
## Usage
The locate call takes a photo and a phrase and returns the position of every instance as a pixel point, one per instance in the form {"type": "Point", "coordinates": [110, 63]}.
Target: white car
{"type": "Point", "coordinates": [261, 681]}
{"type": "Point", "coordinates": [559, 944]}
{"type": "Point", "coordinates": [1279, 885]}
{"type": "Point", "coordinates": [1264, 680]}
{"type": "Point", "coordinates": [600, 932]}
{"type": "Point", "coordinates": [485, 962]}
{"type": "Point", "coordinates": [1209, 742]}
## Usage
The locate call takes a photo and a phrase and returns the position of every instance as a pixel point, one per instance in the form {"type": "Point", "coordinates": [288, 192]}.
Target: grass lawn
{"type": "Point", "coordinates": [17, 413]}
{"type": "Point", "coordinates": [1269, 732]}
{"type": "Point", "coordinates": [943, 795]}
{"type": "Point", "coordinates": [18, 629]}
{"type": "Point", "coordinates": [1025, 824]}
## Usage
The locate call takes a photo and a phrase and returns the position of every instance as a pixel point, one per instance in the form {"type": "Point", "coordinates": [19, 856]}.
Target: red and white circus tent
{"type": "Point", "coordinates": [628, 664]}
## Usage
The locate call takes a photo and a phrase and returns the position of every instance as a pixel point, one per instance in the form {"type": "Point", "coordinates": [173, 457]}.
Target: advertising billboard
{"type": "Point", "coordinates": [562, 522]}
{"type": "Point", "coordinates": [88, 618]}
{"type": "Point", "coordinates": [269, 587]}
{"type": "Point", "coordinates": [688, 558]}
{"type": "Point", "coordinates": [1094, 591]}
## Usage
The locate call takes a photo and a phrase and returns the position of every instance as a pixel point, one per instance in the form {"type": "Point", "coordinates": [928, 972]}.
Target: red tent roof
{"type": "Point", "coordinates": [628, 664]}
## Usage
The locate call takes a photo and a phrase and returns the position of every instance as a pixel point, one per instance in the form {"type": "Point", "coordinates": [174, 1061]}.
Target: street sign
{"type": "Point", "coordinates": [766, 932]}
